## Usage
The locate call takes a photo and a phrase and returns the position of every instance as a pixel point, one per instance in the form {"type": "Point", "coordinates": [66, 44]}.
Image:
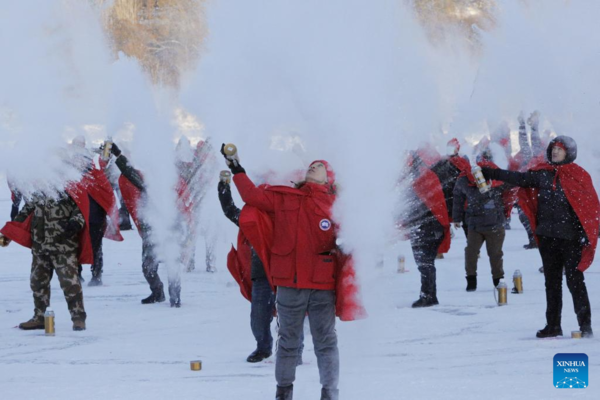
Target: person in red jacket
{"type": "Point", "coordinates": [303, 269]}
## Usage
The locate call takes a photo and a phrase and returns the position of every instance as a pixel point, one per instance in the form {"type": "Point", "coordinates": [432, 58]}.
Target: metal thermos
{"type": "Point", "coordinates": [196, 365]}
{"type": "Point", "coordinates": [518, 282]}
{"type": "Point", "coordinates": [107, 146]}
{"type": "Point", "coordinates": [230, 151]}
{"type": "Point", "coordinates": [49, 322]}
{"type": "Point", "coordinates": [480, 179]}
{"type": "Point", "coordinates": [225, 177]}
{"type": "Point", "coordinates": [502, 293]}
{"type": "Point", "coordinates": [401, 264]}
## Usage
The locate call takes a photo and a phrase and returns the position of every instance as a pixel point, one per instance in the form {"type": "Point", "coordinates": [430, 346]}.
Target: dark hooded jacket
{"type": "Point", "coordinates": [555, 215]}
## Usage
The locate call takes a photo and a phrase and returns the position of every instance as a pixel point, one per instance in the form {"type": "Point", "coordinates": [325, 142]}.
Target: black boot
{"type": "Point", "coordinates": [284, 393]}
{"type": "Point", "coordinates": [496, 281]}
{"type": "Point", "coordinates": [330, 394]}
{"type": "Point", "coordinates": [175, 302]}
{"type": "Point", "coordinates": [549, 331]}
{"type": "Point", "coordinates": [471, 283]}
{"type": "Point", "coordinates": [259, 355]}
{"type": "Point", "coordinates": [586, 332]}
{"type": "Point", "coordinates": [157, 296]}
{"type": "Point", "coordinates": [95, 281]}
{"type": "Point", "coordinates": [530, 245]}
{"type": "Point", "coordinates": [425, 301]}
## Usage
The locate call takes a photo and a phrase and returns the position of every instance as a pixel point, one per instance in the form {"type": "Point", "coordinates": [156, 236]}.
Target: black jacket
{"type": "Point", "coordinates": [485, 211]}
{"type": "Point", "coordinates": [233, 214]}
{"type": "Point", "coordinates": [448, 174]}
{"type": "Point", "coordinates": [555, 216]}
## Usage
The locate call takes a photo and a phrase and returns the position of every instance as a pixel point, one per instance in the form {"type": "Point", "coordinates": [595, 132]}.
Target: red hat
{"type": "Point", "coordinates": [454, 143]}
{"type": "Point", "coordinates": [330, 173]}
{"type": "Point", "coordinates": [560, 144]}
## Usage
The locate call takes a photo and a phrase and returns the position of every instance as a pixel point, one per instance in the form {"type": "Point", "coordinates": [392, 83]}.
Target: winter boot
{"type": "Point", "coordinates": [530, 245]}
{"type": "Point", "coordinates": [586, 332]}
{"type": "Point", "coordinates": [79, 325]}
{"type": "Point", "coordinates": [284, 393]}
{"type": "Point", "coordinates": [549, 331]}
{"type": "Point", "coordinates": [96, 280]}
{"type": "Point", "coordinates": [259, 355]}
{"type": "Point", "coordinates": [471, 283]}
{"type": "Point", "coordinates": [33, 323]}
{"type": "Point", "coordinates": [330, 394]}
{"type": "Point", "coordinates": [157, 296]}
{"type": "Point", "coordinates": [425, 301]}
{"type": "Point", "coordinates": [175, 302]}
{"type": "Point", "coordinates": [496, 281]}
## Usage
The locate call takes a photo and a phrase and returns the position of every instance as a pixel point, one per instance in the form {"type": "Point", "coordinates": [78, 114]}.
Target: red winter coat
{"type": "Point", "coordinates": [303, 232]}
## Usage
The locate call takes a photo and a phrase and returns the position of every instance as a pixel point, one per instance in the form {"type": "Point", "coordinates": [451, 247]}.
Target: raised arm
{"type": "Point", "coordinates": [229, 208]}
{"type": "Point", "coordinates": [129, 172]}
{"type": "Point", "coordinates": [522, 179]}
{"type": "Point", "coordinates": [253, 196]}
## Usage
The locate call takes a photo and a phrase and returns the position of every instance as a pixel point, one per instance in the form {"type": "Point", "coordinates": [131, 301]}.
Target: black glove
{"type": "Point", "coordinates": [114, 149]}
{"type": "Point", "coordinates": [234, 165]}
{"type": "Point", "coordinates": [70, 229]}
{"type": "Point", "coordinates": [488, 173]}
{"type": "Point", "coordinates": [223, 188]}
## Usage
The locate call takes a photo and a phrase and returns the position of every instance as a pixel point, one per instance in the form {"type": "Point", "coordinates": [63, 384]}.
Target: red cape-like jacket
{"type": "Point", "coordinates": [98, 187]}
{"type": "Point", "coordinates": [256, 229]}
{"type": "Point", "coordinates": [20, 232]}
{"type": "Point", "coordinates": [579, 190]}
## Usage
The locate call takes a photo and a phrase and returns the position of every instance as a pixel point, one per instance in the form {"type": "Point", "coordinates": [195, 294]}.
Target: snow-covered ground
{"type": "Point", "coordinates": [465, 348]}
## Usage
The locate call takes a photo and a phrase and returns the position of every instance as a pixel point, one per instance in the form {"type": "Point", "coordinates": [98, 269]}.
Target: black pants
{"type": "Point", "coordinates": [96, 235]}
{"type": "Point", "coordinates": [425, 252]}
{"type": "Point", "coordinates": [556, 255]}
{"type": "Point", "coordinates": [526, 224]}
{"type": "Point", "coordinates": [150, 263]}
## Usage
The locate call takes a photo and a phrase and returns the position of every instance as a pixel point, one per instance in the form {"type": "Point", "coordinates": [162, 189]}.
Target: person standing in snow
{"type": "Point", "coordinates": [559, 199]}
{"type": "Point", "coordinates": [426, 219]}
{"type": "Point", "coordinates": [303, 265]}
{"type": "Point", "coordinates": [485, 216]}
{"type": "Point", "coordinates": [54, 227]}
{"type": "Point", "coordinates": [134, 193]}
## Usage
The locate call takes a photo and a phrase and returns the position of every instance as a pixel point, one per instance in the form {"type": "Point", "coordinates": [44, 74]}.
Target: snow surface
{"type": "Point", "coordinates": [465, 348]}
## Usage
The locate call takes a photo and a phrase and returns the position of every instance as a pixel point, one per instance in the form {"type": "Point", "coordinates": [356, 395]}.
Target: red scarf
{"type": "Point", "coordinates": [582, 196]}
{"type": "Point", "coordinates": [460, 163]}
{"type": "Point", "coordinates": [20, 232]}
{"type": "Point", "coordinates": [428, 188]}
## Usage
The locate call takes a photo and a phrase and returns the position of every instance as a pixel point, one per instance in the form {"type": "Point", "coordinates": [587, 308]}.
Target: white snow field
{"type": "Point", "coordinates": [465, 348]}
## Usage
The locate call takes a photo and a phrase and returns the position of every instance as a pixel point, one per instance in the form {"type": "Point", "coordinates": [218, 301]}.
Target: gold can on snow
{"type": "Point", "coordinates": [576, 334]}
{"type": "Point", "coordinates": [502, 290]}
{"type": "Point", "coordinates": [518, 282]}
{"type": "Point", "coordinates": [49, 322]}
{"type": "Point", "coordinates": [196, 365]}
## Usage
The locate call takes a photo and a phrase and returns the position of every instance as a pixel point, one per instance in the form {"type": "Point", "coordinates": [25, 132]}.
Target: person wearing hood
{"type": "Point", "coordinates": [485, 216]}
{"type": "Point", "coordinates": [428, 224]}
{"type": "Point", "coordinates": [559, 199]}
{"type": "Point", "coordinates": [303, 268]}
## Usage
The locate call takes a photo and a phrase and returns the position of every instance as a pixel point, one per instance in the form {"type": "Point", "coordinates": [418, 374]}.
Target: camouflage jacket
{"type": "Point", "coordinates": [47, 234]}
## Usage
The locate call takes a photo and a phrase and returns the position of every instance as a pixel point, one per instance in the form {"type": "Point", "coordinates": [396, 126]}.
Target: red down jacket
{"type": "Point", "coordinates": [303, 232]}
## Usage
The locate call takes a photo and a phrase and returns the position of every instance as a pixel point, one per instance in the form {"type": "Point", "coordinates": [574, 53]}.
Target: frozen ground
{"type": "Point", "coordinates": [466, 348]}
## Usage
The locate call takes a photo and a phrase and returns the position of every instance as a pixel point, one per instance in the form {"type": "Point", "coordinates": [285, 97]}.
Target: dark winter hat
{"type": "Point", "coordinates": [568, 144]}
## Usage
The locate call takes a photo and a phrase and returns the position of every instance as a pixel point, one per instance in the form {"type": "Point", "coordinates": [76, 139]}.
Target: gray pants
{"type": "Point", "coordinates": [292, 306]}
{"type": "Point", "coordinates": [494, 240]}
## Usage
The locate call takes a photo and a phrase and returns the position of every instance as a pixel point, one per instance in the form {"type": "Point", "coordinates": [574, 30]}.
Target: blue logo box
{"type": "Point", "coordinates": [571, 371]}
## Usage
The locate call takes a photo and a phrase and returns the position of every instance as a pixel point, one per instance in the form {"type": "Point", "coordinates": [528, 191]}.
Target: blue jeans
{"type": "Point", "coordinates": [261, 314]}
